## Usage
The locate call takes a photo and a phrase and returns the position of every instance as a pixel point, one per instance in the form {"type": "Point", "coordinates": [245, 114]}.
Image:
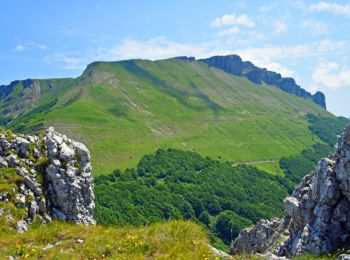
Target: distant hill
{"type": "Point", "coordinates": [123, 110]}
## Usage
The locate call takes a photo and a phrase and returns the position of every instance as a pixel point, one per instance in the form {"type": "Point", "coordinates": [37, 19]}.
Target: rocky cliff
{"type": "Point", "coordinates": [233, 64]}
{"type": "Point", "coordinates": [317, 215]}
{"type": "Point", "coordinates": [53, 179]}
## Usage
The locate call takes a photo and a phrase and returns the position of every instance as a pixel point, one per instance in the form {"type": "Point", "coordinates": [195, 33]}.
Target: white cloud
{"type": "Point", "coordinates": [314, 49]}
{"type": "Point", "coordinates": [340, 9]}
{"type": "Point", "coordinates": [153, 49]}
{"type": "Point", "coordinates": [267, 8]}
{"type": "Point", "coordinates": [280, 26]}
{"type": "Point", "coordinates": [20, 48]}
{"type": "Point", "coordinates": [231, 31]}
{"type": "Point", "coordinates": [28, 46]}
{"type": "Point", "coordinates": [66, 59]}
{"type": "Point", "coordinates": [232, 19]}
{"type": "Point", "coordinates": [158, 48]}
{"type": "Point", "coordinates": [268, 57]}
{"type": "Point", "coordinates": [316, 27]}
{"type": "Point", "coordinates": [271, 57]}
{"type": "Point", "coordinates": [285, 72]}
{"type": "Point", "coordinates": [329, 75]}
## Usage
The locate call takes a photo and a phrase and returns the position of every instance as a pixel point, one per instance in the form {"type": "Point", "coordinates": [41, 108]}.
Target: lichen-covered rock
{"type": "Point", "coordinates": [317, 216]}
{"type": "Point", "coordinates": [22, 226]}
{"type": "Point", "coordinates": [259, 238]}
{"type": "Point", "coordinates": [343, 257]}
{"type": "Point", "coordinates": [70, 186]}
{"type": "Point", "coordinates": [3, 163]}
{"type": "Point", "coordinates": [55, 178]}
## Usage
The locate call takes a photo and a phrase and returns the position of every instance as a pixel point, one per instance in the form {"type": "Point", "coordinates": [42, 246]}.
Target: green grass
{"type": "Point", "coordinates": [270, 167]}
{"type": "Point", "coordinates": [62, 240]}
{"type": "Point", "coordinates": [123, 110]}
{"type": "Point", "coordinates": [171, 240]}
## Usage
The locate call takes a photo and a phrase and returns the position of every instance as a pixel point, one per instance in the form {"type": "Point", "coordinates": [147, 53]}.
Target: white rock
{"type": "Point", "coordinates": [66, 153]}
{"type": "Point", "coordinates": [22, 226]}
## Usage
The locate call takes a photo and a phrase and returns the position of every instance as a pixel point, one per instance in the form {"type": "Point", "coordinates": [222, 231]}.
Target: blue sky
{"type": "Point", "coordinates": [308, 40]}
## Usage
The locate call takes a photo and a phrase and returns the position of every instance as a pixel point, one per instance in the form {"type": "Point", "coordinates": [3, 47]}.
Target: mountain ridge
{"type": "Point", "coordinates": [161, 104]}
{"type": "Point", "coordinates": [234, 65]}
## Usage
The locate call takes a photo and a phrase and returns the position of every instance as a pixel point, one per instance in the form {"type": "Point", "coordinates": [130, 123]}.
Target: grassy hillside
{"type": "Point", "coordinates": [123, 110]}
{"type": "Point", "coordinates": [174, 184]}
{"type": "Point", "coordinates": [60, 240]}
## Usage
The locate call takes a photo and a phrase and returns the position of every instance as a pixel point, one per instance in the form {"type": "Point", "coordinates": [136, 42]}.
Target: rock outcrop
{"type": "Point", "coordinates": [233, 64]}
{"type": "Point", "coordinates": [317, 215]}
{"type": "Point", "coordinates": [69, 181]}
{"type": "Point", "coordinates": [54, 178]}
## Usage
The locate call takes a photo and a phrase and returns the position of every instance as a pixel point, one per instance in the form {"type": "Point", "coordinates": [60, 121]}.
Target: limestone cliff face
{"type": "Point", "coordinates": [233, 64]}
{"type": "Point", "coordinates": [68, 178]}
{"type": "Point", "coordinates": [317, 215]}
{"type": "Point", "coordinates": [54, 178]}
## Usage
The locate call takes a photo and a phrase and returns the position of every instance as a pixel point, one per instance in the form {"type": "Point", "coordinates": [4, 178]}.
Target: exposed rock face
{"type": "Point", "coordinates": [185, 58]}
{"type": "Point", "coordinates": [233, 64]}
{"type": "Point", "coordinates": [69, 179]}
{"type": "Point", "coordinates": [55, 178]}
{"type": "Point", "coordinates": [317, 215]}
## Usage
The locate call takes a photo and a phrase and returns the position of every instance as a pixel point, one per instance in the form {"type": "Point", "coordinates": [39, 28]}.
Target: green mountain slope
{"type": "Point", "coordinates": [123, 110]}
{"type": "Point", "coordinates": [174, 184]}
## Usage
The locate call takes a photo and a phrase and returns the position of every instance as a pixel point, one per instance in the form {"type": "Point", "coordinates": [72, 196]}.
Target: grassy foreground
{"type": "Point", "coordinates": [58, 240]}
{"type": "Point", "coordinates": [62, 240]}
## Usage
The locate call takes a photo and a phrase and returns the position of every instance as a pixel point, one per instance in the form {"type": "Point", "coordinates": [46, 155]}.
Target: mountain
{"type": "Point", "coordinates": [224, 198]}
{"type": "Point", "coordinates": [317, 215]}
{"type": "Point", "coordinates": [137, 117]}
{"type": "Point", "coordinates": [234, 65]}
{"type": "Point", "coordinates": [123, 110]}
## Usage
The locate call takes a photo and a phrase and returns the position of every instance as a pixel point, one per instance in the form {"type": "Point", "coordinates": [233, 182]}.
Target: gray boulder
{"type": "Point", "coordinates": [33, 185]}
{"type": "Point", "coordinates": [33, 209]}
{"type": "Point", "coordinates": [12, 160]}
{"type": "Point", "coordinates": [22, 226]}
{"type": "Point", "coordinates": [66, 153]}
{"type": "Point", "coordinates": [3, 163]}
{"type": "Point", "coordinates": [22, 146]}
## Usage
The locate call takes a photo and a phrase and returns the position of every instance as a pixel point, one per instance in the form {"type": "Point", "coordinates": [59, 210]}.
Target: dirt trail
{"type": "Point", "coordinates": [255, 162]}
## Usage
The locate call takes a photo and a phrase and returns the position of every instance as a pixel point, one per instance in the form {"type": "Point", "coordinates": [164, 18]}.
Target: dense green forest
{"type": "Point", "coordinates": [175, 184]}
{"type": "Point", "coordinates": [297, 166]}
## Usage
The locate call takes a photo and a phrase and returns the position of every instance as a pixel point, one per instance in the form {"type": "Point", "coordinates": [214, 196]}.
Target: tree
{"type": "Point", "coordinates": [205, 217]}
{"type": "Point", "coordinates": [228, 225]}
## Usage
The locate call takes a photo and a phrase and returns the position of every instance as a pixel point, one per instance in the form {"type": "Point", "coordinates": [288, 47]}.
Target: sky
{"type": "Point", "coordinates": [307, 40]}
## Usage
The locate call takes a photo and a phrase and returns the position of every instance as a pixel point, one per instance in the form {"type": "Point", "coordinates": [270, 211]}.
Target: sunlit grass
{"type": "Point", "coordinates": [59, 240]}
